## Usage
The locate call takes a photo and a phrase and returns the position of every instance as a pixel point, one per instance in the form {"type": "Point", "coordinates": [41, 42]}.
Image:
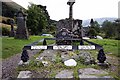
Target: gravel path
{"type": "Point", "coordinates": [9, 65]}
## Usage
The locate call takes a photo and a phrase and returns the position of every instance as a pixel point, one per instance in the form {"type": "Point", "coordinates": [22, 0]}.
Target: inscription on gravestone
{"type": "Point", "coordinates": [21, 32]}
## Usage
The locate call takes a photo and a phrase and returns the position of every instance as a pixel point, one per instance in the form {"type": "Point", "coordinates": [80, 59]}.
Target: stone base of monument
{"type": "Point", "coordinates": [25, 74]}
{"type": "Point", "coordinates": [23, 63]}
{"type": "Point", "coordinates": [104, 65]}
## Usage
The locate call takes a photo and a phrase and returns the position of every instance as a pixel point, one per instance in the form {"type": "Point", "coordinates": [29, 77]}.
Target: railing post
{"type": "Point", "coordinates": [24, 56]}
{"type": "Point", "coordinates": [44, 42]}
{"type": "Point", "coordinates": [81, 42]}
{"type": "Point", "coordinates": [101, 56]}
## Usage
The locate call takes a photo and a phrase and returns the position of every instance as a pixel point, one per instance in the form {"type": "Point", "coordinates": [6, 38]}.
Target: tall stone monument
{"type": "Point", "coordinates": [21, 32]}
{"type": "Point", "coordinates": [70, 3]}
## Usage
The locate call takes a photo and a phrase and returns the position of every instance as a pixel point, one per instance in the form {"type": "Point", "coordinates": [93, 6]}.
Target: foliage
{"type": "Point", "coordinates": [111, 29]}
{"type": "Point", "coordinates": [37, 19]}
{"type": "Point", "coordinates": [5, 31]}
{"type": "Point", "coordinates": [94, 29]}
{"type": "Point", "coordinates": [97, 27]}
{"type": "Point", "coordinates": [92, 32]}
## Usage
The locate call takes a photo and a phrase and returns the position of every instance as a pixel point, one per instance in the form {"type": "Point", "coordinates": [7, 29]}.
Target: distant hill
{"type": "Point", "coordinates": [99, 20]}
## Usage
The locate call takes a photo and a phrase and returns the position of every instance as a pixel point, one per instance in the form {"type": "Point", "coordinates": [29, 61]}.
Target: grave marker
{"type": "Point", "coordinates": [21, 32]}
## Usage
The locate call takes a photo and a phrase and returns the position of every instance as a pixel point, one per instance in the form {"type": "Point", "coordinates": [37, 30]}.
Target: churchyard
{"type": "Point", "coordinates": [56, 64]}
{"type": "Point", "coordinates": [66, 54]}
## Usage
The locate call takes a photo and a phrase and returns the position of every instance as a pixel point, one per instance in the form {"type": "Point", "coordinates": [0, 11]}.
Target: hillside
{"type": "Point", "coordinates": [99, 20]}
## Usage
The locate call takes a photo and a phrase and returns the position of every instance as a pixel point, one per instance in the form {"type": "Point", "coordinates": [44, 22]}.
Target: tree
{"type": "Point", "coordinates": [117, 29]}
{"type": "Point", "coordinates": [108, 29]}
{"type": "Point", "coordinates": [37, 21]}
{"type": "Point", "coordinates": [92, 33]}
{"type": "Point", "coordinates": [111, 29]}
{"type": "Point", "coordinates": [94, 29]}
{"type": "Point", "coordinates": [95, 25]}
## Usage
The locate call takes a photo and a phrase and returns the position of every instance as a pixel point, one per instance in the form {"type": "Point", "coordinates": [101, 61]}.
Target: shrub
{"type": "Point", "coordinates": [92, 33]}
{"type": "Point", "coordinates": [5, 31]}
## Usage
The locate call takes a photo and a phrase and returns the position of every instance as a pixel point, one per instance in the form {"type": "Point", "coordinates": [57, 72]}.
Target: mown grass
{"type": "Point", "coordinates": [109, 45]}
{"type": "Point", "coordinates": [11, 46]}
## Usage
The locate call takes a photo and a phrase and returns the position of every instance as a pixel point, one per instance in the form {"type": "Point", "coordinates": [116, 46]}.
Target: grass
{"type": "Point", "coordinates": [11, 46]}
{"type": "Point", "coordinates": [54, 68]}
{"type": "Point", "coordinates": [109, 45]}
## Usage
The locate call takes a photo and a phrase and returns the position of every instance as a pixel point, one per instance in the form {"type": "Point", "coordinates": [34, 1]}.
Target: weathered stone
{"type": "Point", "coordinates": [45, 63]}
{"type": "Point", "coordinates": [20, 63]}
{"type": "Point", "coordinates": [70, 62]}
{"type": "Point", "coordinates": [86, 56]}
{"type": "Point", "coordinates": [25, 74]}
{"type": "Point", "coordinates": [104, 65]}
{"type": "Point", "coordinates": [47, 55]}
{"type": "Point", "coordinates": [65, 74]}
{"type": "Point", "coordinates": [93, 73]}
{"type": "Point", "coordinates": [93, 77]}
{"type": "Point", "coordinates": [99, 37]}
{"type": "Point", "coordinates": [27, 63]}
{"type": "Point", "coordinates": [87, 76]}
{"type": "Point", "coordinates": [86, 38]}
{"type": "Point", "coordinates": [21, 32]}
{"type": "Point", "coordinates": [65, 57]}
{"type": "Point", "coordinates": [23, 63]}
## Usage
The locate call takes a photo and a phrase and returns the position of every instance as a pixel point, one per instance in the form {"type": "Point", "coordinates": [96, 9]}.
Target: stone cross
{"type": "Point", "coordinates": [21, 32]}
{"type": "Point", "coordinates": [70, 3]}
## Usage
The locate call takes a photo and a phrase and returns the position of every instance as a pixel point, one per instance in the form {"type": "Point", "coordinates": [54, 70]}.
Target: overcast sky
{"type": "Point", "coordinates": [82, 9]}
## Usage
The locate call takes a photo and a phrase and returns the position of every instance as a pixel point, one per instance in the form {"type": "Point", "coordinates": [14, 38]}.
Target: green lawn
{"type": "Point", "coordinates": [11, 46]}
{"type": "Point", "coordinates": [109, 45]}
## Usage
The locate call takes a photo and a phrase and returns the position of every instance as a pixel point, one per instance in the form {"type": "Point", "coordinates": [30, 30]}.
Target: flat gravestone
{"type": "Point", "coordinates": [25, 74]}
{"type": "Point", "coordinates": [93, 73]}
{"type": "Point", "coordinates": [65, 74]}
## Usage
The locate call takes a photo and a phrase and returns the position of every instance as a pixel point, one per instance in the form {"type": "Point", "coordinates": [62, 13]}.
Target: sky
{"type": "Point", "coordinates": [82, 9]}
